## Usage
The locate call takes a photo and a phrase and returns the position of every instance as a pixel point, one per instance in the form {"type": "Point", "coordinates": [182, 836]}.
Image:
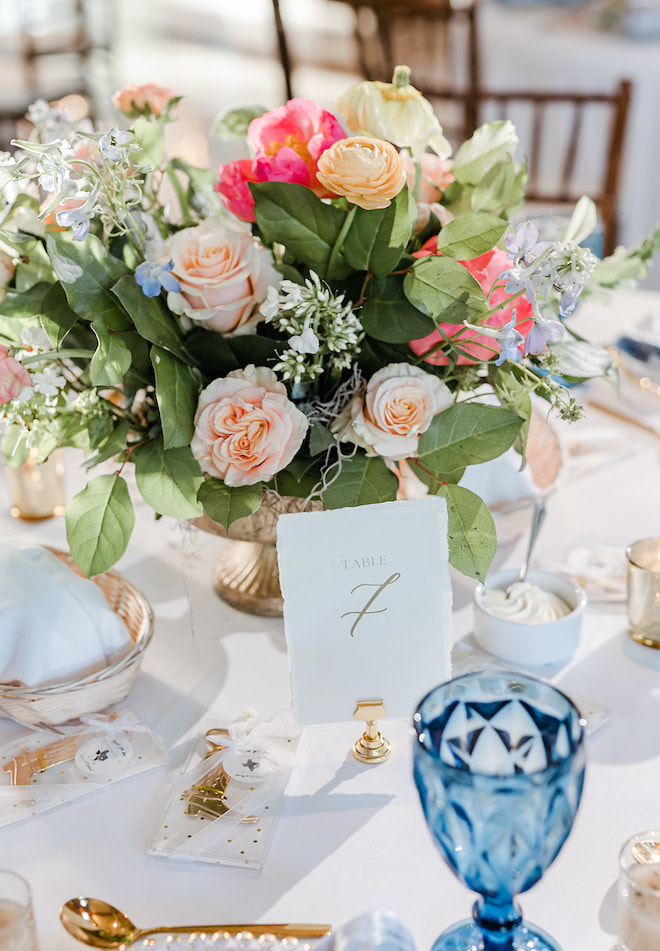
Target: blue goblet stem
{"type": "Point", "coordinates": [497, 921]}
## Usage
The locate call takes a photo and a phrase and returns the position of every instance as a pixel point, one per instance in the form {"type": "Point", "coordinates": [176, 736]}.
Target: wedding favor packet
{"type": "Point", "coordinates": [224, 805]}
{"type": "Point", "coordinates": [42, 769]}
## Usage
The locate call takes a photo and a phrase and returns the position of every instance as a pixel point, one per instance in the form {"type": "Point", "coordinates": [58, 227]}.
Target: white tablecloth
{"type": "Point", "coordinates": [551, 47]}
{"type": "Point", "coordinates": [352, 838]}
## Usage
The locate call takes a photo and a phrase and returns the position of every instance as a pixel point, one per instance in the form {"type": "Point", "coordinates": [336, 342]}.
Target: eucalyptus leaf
{"type": "Point", "coordinates": [111, 359]}
{"type": "Point", "coordinates": [472, 536]}
{"type": "Point", "coordinates": [177, 390]}
{"type": "Point", "coordinates": [445, 290]}
{"type": "Point", "coordinates": [470, 235]}
{"type": "Point", "coordinates": [465, 434]}
{"type": "Point", "coordinates": [99, 523]}
{"type": "Point", "coordinates": [292, 215]}
{"type": "Point", "coordinates": [364, 480]}
{"type": "Point", "coordinates": [168, 479]}
{"type": "Point", "coordinates": [225, 504]}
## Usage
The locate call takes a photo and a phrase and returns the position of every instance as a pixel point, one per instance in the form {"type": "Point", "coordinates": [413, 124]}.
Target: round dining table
{"type": "Point", "coordinates": [351, 838]}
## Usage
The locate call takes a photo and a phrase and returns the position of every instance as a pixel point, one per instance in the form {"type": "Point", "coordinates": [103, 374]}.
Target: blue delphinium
{"type": "Point", "coordinates": [151, 276]}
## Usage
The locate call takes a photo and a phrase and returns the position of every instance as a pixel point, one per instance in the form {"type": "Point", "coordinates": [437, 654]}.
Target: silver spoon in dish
{"type": "Point", "coordinates": [537, 521]}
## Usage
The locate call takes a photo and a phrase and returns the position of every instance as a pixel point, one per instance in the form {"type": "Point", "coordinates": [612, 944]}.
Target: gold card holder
{"type": "Point", "coordinates": [372, 747]}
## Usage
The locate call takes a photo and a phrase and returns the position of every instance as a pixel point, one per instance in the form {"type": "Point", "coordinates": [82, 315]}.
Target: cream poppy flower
{"type": "Point", "coordinates": [396, 112]}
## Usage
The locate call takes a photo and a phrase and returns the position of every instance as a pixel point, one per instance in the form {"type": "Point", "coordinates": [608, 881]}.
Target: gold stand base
{"type": "Point", "coordinates": [646, 641]}
{"type": "Point", "coordinates": [246, 576]}
{"type": "Point", "coordinates": [367, 750]}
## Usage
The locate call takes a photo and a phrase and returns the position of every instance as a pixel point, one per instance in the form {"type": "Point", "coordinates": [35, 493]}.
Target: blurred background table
{"type": "Point", "coordinates": [352, 838]}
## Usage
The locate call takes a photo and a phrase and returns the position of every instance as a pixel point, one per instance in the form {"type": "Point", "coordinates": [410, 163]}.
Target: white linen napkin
{"type": "Point", "coordinates": [54, 625]}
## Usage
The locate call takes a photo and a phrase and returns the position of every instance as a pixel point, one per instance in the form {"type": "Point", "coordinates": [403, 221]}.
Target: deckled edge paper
{"type": "Point", "coordinates": [367, 606]}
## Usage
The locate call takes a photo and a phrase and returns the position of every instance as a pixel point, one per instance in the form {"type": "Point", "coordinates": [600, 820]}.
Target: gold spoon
{"type": "Point", "coordinates": [98, 924]}
{"type": "Point", "coordinates": [646, 852]}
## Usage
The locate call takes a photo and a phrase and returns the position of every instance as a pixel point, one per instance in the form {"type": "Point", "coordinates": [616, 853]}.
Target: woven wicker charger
{"type": "Point", "coordinates": [68, 700]}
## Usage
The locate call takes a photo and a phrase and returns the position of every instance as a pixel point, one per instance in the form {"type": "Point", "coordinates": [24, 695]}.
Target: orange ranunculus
{"type": "Point", "coordinates": [367, 172]}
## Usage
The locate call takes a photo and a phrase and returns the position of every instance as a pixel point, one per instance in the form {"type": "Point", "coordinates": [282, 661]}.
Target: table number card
{"type": "Point", "coordinates": [367, 606]}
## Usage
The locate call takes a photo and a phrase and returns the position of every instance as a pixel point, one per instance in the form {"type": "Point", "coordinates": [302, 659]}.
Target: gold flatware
{"type": "Point", "coordinates": [98, 924]}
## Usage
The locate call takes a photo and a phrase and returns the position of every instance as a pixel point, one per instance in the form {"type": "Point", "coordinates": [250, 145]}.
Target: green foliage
{"type": "Point", "coordinates": [445, 290]}
{"type": "Point", "coordinates": [225, 504]}
{"type": "Point", "coordinates": [99, 523]}
{"type": "Point", "coordinates": [168, 479]}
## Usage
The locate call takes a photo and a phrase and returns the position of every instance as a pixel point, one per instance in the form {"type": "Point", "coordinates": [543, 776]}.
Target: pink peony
{"type": "Point", "coordinates": [398, 405]}
{"type": "Point", "coordinates": [224, 274]}
{"type": "Point", "coordinates": [246, 427]}
{"type": "Point", "coordinates": [13, 376]}
{"type": "Point", "coordinates": [486, 269]}
{"type": "Point", "coordinates": [435, 176]}
{"type": "Point", "coordinates": [234, 190]}
{"type": "Point", "coordinates": [138, 100]}
{"type": "Point", "coordinates": [288, 142]}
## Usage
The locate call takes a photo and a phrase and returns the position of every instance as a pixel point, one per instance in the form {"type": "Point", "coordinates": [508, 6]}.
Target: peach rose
{"type": "Point", "coordinates": [137, 100]}
{"type": "Point", "coordinates": [13, 376]}
{"type": "Point", "coordinates": [367, 172]}
{"type": "Point", "coordinates": [224, 274]}
{"type": "Point", "coordinates": [246, 427]}
{"type": "Point", "coordinates": [398, 405]}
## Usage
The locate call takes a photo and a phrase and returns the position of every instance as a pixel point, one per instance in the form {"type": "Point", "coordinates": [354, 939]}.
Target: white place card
{"type": "Point", "coordinates": [367, 606]}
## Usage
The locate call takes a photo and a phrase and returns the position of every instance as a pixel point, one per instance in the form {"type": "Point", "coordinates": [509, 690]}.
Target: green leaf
{"type": "Point", "coordinates": [177, 390]}
{"type": "Point", "coordinates": [87, 273]}
{"type": "Point", "coordinates": [217, 355]}
{"type": "Point", "coordinates": [113, 445]}
{"type": "Point", "coordinates": [226, 505]}
{"type": "Point", "coordinates": [388, 315]}
{"type": "Point", "coordinates": [320, 438]}
{"type": "Point", "coordinates": [25, 304]}
{"type": "Point", "coordinates": [472, 537]}
{"type": "Point", "coordinates": [363, 481]}
{"type": "Point", "coordinates": [378, 238]}
{"type": "Point", "coordinates": [584, 221]}
{"type": "Point", "coordinates": [515, 396]}
{"type": "Point", "coordinates": [470, 235]}
{"type": "Point", "coordinates": [111, 359]}
{"type": "Point", "coordinates": [491, 143]}
{"type": "Point", "coordinates": [55, 316]}
{"type": "Point", "coordinates": [465, 434]}
{"type": "Point", "coordinates": [445, 290]}
{"type": "Point", "coordinates": [292, 215]}
{"type": "Point", "coordinates": [502, 189]}
{"type": "Point", "coordinates": [168, 479]}
{"type": "Point", "coordinates": [151, 318]}
{"type": "Point", "coordinates": [150, 139]}
{"type": "Point", "coordinates": [15, 446]}
{"type": "Point", "coordinates": [99, 523]}
{"type": "Point", "coordinates": [580, 360]}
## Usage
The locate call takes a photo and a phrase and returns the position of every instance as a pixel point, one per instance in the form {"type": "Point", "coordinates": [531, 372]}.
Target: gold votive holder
{"type": "Point", "coordinates": [36, 489]}
{"type": "Point", "coordinates": [644, 591]}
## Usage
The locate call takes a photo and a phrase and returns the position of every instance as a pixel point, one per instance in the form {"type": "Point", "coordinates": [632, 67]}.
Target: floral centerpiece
{"type": "Point", "coordinates": [345, 316]}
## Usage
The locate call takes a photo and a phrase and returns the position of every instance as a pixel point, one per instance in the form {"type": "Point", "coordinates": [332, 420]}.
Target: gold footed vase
{"type": "Point", "coordinates": [246, 574]}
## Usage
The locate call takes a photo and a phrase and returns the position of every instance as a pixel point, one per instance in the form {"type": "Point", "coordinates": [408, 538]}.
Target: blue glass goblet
{"type": "Point", "coordinates": [499, 767]}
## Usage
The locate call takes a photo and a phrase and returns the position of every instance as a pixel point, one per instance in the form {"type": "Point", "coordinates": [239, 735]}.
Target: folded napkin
{"type": "Point", "coordinates": [54, 625]}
